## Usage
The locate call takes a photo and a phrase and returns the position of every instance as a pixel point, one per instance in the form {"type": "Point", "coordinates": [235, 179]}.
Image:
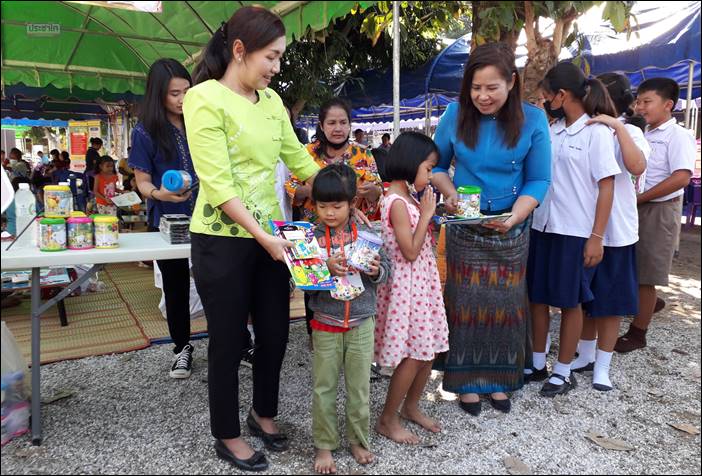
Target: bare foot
{"type": "Point", "coordinates": [393, 429]}
{"type": "Point", "coordinates": [239, 447]}
{"type": "Point", "coordinates": [416, 416]}
{"type": "Point", "coordinates": [469, 397]}
{"type": "Point", "coordinates": [324, 462]}
{"type": "Point", "coordinates": [361, 455]}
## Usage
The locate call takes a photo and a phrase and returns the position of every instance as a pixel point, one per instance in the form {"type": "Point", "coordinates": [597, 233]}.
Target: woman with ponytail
{"type": "Point", "coordinates": [237, 130]}
{"type": "Point", "coordinates": [570, 225]}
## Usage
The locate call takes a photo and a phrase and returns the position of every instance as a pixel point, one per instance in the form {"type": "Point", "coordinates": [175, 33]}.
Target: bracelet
{"type": "Point", "coordinates": [598, 236]}
{"type": "Point", "coordinates": [151, 194]}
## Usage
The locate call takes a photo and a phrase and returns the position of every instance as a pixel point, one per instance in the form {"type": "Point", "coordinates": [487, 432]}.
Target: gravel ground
{"type": "Point", "coordinates": [127, 416]}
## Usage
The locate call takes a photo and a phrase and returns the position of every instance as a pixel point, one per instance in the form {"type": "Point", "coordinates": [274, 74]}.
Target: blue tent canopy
{"type": "Point", "coordinates": [44, 108]}
{"type": "Point", "coordinates": [668, 41]}
{"type": "Point", "coordinates": [33, 123]}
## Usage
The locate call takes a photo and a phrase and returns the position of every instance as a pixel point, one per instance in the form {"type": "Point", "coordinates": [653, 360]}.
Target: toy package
{"type": "Point", "coordinates": [304, 259]}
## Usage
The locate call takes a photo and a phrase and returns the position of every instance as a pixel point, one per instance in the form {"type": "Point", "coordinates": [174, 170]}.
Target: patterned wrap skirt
{"type": "Point", "coordinates": [487, 309]}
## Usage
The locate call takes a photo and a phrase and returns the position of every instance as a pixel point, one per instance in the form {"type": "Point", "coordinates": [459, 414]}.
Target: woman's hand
{"type": "Point", "coordinates": [370, 191]}
{"type": "Point", "coordinates": [594, 250]}
{"type": "Point", "coordinates": [361, 217]}
{"type": "Point", "coordinates": [501, 226]}
{"type": "Point", "coordinates": [608, 121]}
{"type": "Point", "coordinates": [164, 195]}
{"type": "Point", "coordinates": [427, 205]}
{"type": "Point", "coordinates": [275, 246]}
{"type": "Point", "coordinates": [451, 203]}
{"type": "Point", "coordinates": [374, 267]}
{"type": "Point", "coordinates": [337, 265]}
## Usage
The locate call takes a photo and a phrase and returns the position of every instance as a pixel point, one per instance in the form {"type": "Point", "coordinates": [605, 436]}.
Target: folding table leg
{"type": "Point", "coordinates": [36, 358]}
{"type": "Point", "coordinates": [61, 305]}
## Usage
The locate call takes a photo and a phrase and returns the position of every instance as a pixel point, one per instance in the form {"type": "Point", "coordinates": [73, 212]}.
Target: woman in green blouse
{"type": "Point", "coordinates": [237, 129]}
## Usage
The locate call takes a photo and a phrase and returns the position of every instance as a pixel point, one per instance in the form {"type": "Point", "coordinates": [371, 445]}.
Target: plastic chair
{"type": "Point", "coordinates": [693, 192]}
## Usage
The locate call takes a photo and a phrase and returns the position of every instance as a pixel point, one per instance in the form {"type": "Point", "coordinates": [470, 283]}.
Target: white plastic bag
{"type": "Point", "coordinates": [16, 388]}
{"type": "Point", "coordinates": [196, 309]}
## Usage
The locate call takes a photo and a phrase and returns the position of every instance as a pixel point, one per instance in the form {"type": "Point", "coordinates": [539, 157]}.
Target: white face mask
{"type": "Point", "coordinates": [13, 161]}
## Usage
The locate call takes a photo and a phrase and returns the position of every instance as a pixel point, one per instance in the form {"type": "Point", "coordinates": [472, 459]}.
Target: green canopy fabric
{"type": "Point", "coordinates": [93, 47]}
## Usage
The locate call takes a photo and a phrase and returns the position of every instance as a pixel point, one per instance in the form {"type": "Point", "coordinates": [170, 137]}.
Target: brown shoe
{"type": "Point", "coordinates": [660, 304]}
{"type": "Point", "coordinates": [634, 339]}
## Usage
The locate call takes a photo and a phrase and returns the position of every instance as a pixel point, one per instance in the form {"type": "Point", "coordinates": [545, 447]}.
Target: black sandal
{"type": "Point", "coordinates": [551, 390]}
{"type": "Point", "coordinates": [272, 441]}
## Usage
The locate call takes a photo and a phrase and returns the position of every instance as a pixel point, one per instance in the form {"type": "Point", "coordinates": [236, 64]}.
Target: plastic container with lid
{"type": "Point", "coordinates": [176, 181]}
{"type": "Point", "coordinates": [57, 201]}
{"type": "Point", "coordinates": [365, 248]}
{"type": "Point", "coordinates": [52, 234]}
{"type": "Point", "coordinates": [469, 201]}
{"type": "Point", "coordinates": [106, 231]}
{"type": "Point", "coordinates": [80, 233]}
{"type": "Point", "coordinates": [78, 214]}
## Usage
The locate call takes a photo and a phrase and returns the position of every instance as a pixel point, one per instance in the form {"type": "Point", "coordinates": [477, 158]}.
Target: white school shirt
{"type": "Point", "coordinates": [581, 157]}
{"type": "Point", "coordinates": [623, 225]}
{"type": "Point", "coordinates": [282, 174]}
{"type": "Point", "coordinates": [672, 148]}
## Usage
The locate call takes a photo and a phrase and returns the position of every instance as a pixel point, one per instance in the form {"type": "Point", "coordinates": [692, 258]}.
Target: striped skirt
{"type": "Point", "coordinates": [487, 309]}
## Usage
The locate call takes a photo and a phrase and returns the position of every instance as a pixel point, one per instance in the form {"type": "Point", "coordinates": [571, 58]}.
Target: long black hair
{"type": "Point", "coordinates": [153, 108]}
{"type": "Point", "coordinates": [323, 142]}
{"type": "Point", "coordinates": [619, 88]}
{"type": "Point", "coordinates": [590, 92]}
{"type": "Point", "coordinates": [511, 115]}
{"type": "Point", "coordinates": [407, 153]}
{"type": "Point", "coordinates": [255, 27]}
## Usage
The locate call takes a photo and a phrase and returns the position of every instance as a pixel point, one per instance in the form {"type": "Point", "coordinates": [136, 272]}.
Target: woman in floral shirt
{"type": "Point", "coordinates": [332, 146]}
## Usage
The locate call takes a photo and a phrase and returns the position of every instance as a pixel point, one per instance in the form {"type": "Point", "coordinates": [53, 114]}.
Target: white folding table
{"type": "Point", "coordinates": [132, 247]}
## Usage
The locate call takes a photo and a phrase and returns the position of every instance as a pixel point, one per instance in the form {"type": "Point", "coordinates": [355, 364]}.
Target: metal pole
{"type": "Point", "coordinates": [396, 69]}
{"type": "Point", "coordinates": [36, 358]}
{"type": "Point", "coordinates": [689, 94]}
{"type": "Point", "coordinates": [427, 113]}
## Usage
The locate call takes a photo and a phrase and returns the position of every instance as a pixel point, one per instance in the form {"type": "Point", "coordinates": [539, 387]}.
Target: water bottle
{"type": "Point", "coordinates": [25, 210]}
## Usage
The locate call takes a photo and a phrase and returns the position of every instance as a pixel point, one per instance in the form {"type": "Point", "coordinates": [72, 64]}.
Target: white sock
{"type": "Point", "coordinates": [560, 369]}
{"type": "Point", "coordinates": [586, 351]}
{"type": "Point", "coordinates": [601, 373]}
{"type": "Point", "coordinates": [539, 359]}
{"type": "Point", "coordinates": [548, 342]}
{"type": "Point", "coordinates": [251, 331]}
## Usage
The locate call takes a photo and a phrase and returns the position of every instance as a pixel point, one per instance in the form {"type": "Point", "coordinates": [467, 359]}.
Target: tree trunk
{"type": "Point", "coordinates": [538, 63]}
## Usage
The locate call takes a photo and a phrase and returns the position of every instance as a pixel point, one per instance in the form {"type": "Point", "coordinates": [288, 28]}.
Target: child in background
{"type": "Point", "coordinates": [615, 284]}
{"type": "Point", "coordinates": [412, 325]}
{"type": "Point", "coordinates": [670, 167]}
{"type": "Point", "coordinates": [342, 323]}
{"type": "Point", "coordinates": [569, 227]}
{"type": "Point", "coordinates": [105, 185]}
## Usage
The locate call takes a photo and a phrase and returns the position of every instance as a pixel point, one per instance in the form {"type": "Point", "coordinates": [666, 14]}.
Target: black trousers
{"type": "Point", "coordinates": [235, 277]}
{"type": "Point", "coordinates": [176, 289]}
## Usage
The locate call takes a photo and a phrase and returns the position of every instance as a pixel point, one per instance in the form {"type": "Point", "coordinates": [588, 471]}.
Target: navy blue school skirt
{"type": "Point", "coordinates": [556, 274]}
{"type": "Point", "coordinates": [615, 284]}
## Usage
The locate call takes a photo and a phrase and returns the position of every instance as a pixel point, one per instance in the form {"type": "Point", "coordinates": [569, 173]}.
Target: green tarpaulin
{"type": "Point", "coordinates": [90, 46]}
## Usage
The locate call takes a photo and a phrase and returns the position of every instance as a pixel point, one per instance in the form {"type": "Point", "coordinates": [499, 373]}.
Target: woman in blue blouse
{"type": "Point", "coordinates": [159, 144]}
{"type": "Point", "coordinates": [501, 145]}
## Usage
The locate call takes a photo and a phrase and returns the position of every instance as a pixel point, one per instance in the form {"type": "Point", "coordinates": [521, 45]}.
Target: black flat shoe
{"type": "Point", "coordinates": [272, 441]}
{"type": "Point", "coordinates": [503, 406]}
{"type": "Point", "coordinates": [602, 388]}
{"type": "Point", "coordinates": [472, 408]}
{"type": "Point", "coordinates": [536, 375]}
{"type": "Point", "coordinates": [551, 390]}
{"type": "Point", "coordinates": [588, 368]}
{"type": "Point", "coordinates": [257, 462]}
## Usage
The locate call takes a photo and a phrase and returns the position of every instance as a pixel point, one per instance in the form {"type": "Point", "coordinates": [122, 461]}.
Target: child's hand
{"type": "Point", "coordinates": [337, 265]}
{"type": "Point", "coordinates": [594, 250]}
{"type": "Point", "coordinates": [374, 267]}
{"type": "Point", "coordinates": [427, 206]}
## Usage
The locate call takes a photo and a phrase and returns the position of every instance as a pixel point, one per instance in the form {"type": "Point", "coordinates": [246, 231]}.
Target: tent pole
{"type": "Point", "coordinates": [688, 106]}
{"type": "Point", "coordinates": [396, 69]}
{"type": "Point", "coordinates": [428, 105]}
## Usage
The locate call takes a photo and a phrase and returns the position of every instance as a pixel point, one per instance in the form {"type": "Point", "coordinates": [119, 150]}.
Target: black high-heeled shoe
{"type": "Point", "coordinates": [272, 441]}
{"type": "Point", "coordinates": [472, 408]}
{"type": "Point", "coordinates": [257, 462]}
